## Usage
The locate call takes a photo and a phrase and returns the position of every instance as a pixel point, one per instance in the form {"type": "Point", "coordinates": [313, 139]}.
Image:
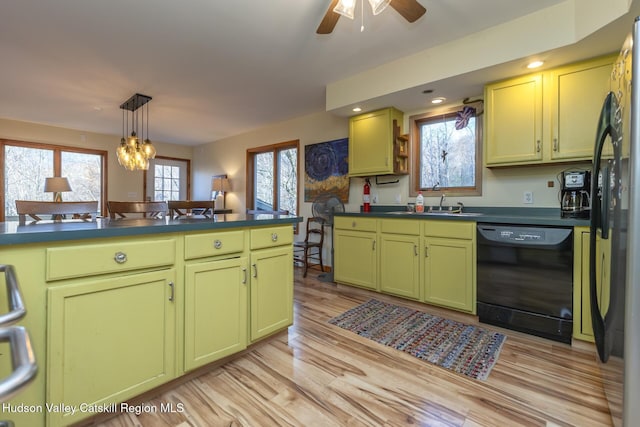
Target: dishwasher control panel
{"type": "Point", "coordinates": [523, 235]}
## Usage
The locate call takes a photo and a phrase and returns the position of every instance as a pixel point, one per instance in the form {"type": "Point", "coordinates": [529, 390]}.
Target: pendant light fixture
{"type": "Point", "coordinates": [347, 7]}
{"type": "Point", "coordinates": [135, 149]}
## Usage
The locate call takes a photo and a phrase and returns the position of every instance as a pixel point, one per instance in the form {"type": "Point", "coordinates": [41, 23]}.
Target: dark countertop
{"type": "Point", "coordinates": [11, 233]}
{"type": "Point", "coordinates": [496, 215]}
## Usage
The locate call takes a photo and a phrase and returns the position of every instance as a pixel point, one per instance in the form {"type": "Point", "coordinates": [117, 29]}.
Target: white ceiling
{"type": "Point", "coordinates": [219, 68]}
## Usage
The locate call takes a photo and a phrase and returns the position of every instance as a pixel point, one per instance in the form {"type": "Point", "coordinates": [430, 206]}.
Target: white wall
{"type": "Point", "coordinates": [121, 183]}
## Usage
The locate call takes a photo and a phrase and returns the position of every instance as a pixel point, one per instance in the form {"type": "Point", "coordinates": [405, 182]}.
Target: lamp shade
{"type": "Point", "coordinates": [56, 184]}
{"type": "Point", "coordinates": [220, 184]}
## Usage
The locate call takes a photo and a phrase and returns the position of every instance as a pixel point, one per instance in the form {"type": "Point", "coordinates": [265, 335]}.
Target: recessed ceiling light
{"type": "Point", "coordinates": [438, 100]}
{"type": "Point", "coordinates": [535, 64]}
{"type": "Point", "coordinates": [357, 109]}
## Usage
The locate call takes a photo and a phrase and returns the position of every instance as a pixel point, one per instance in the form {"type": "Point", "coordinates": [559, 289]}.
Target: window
{"type": "Point", "coordinates": [25, 166]}
{"type": "Point", "coordinates": [167, 179]}
{"type": "Point", "coordinates": [446, 149]}
{"type": "Point", "coordinates": [272, 177]}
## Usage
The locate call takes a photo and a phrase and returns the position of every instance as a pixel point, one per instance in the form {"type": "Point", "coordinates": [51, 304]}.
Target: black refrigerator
{"type": "Point", "coordinates": [615, 236]}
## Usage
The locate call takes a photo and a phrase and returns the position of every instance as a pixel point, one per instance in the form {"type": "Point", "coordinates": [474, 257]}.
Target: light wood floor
{"type": "Point", "coordinates": [320, 375]}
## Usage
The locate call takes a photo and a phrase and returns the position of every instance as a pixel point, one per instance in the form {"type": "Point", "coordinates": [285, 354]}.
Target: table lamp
{"type": "Point", "coordinates": [56, 185]}
{"type": "Point", "coordinates": [220, 185]}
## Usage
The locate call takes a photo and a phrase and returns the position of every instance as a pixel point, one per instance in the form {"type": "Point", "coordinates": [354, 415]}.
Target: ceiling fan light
{"type": "Point", "coordinates": [378, 6]}
{"type": "Point", "coordinates": [346, 8]}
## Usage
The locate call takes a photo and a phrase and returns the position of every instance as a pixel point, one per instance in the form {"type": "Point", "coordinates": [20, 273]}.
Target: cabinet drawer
{"type": "Point", "coordinates": [400, 226]}
{"type": "Point", "coordinates": [213, 244]}
{"type": "Point", "coordinates": [91, 260]}
{"type": "Point", "coordinates": [450, 229]}
{"type": "Point", "coordinates": [272, 236]}
{"type": "Point", "coordinates": [355, 223]}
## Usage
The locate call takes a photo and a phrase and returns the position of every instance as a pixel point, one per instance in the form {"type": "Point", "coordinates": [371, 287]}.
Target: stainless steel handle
{"type": "Point", "coordinates": [555, 144]}
{"type": "Point", "coordinates": [274, 237]}
{"type": "Point", "coordinates": [173, 291]}
{"type": "Point", "coordinates": [244, 275]}
{"type": "Point", "coordinates": [415, 250]}
{"type": "Point", "coordinates": [373, 246]}
{"type": "Point", "coordinates": [120, 257]}
{"type": "Point", "coordinates": [14, 297]}
{"type": "Point", "coordinates": [255, 270]}
{"type": "Point", "coordinates": [537, 146]}
{"type": "Point", "coordinates": [426, 251]}
{"type": "Point", "coordinates": [217, 244]}
{"type": "Point", "coordinates": [23, 361]}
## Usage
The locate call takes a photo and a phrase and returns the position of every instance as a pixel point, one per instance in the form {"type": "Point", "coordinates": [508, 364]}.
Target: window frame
{"type": "Point", "coordinates": [250, 177]}
{"type": "Point", "coordinates": [415, 122]}
{"type": "Point", "coordinates": [149, 172]}
{"type": "Point", "coordinates": [57, 166]}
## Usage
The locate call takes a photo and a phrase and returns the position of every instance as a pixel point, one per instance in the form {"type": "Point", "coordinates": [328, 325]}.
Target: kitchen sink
{"type": "Point", "coordinates": [436, 213]}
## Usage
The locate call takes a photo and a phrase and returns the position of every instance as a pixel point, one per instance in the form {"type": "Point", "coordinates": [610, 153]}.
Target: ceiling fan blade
{"type": "Point", "coordinates": [411, 10]}
{"type": "Point", "coordinates": [330, 20]}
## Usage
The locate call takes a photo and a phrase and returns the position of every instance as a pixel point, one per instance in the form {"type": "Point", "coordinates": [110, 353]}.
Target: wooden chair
{"type": "Point", "coordinates": [178, 208]}
{"type": "Point", "coordinates": [57, 210]}
{"type": "Point", "coordinates": [310, 249]}
{"type": "Point", "coordinates": [259, 211]}
{"type": "Point", "coordinates": [118, 210]}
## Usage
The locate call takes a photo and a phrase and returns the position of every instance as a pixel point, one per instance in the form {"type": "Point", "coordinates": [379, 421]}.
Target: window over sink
{"type": "Point", "coordinates": [446, 148]}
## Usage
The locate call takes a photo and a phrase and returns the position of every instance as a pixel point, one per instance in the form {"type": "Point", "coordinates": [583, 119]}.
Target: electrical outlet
{"type": "Point", "coordinates": [374, 199]}
{"type": "Point", "coordinates": [527, 197]}
{"type": "Point", "coordinates": [398, 198]}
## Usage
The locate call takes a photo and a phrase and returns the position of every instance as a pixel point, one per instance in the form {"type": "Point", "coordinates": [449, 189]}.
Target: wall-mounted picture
{"type": "Point", "coordinates": [326, 168]}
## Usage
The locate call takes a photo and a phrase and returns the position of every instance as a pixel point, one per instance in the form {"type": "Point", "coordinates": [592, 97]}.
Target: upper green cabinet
{"type": "Point", "coordinates": [545, 117]}
{"type": "Point", "coordinates": [371, 142]}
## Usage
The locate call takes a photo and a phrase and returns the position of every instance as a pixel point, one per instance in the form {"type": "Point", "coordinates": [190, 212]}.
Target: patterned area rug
{"type": "Point", "coordinates": [461, 348]}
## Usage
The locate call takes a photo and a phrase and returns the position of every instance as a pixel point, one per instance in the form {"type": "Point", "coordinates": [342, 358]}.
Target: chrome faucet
{"type": "Point", "coordinates": [461, 205]}
{"type": "Point", "coordinates": [435, 187]}
{"type": "Point", "coordinates": [442, 200]}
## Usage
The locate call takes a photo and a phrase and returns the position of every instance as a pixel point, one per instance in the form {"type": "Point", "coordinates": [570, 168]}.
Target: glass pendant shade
{"type": "Point", "coordinates": [133, 153]}
{"type": "Point", "coordinates": [378, 6]}
{"type": "Point", "coordinates": [346, 8]}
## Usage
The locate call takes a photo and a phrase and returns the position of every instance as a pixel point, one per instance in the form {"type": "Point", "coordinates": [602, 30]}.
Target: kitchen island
{"type": "Point", "coordinates": [117, 308]}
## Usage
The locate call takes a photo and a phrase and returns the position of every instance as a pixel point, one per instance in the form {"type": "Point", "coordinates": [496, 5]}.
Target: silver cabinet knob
{"type": "Point", "coordinates": [120, 257]}
{"type": "Point", "coordinates": [217, 244]}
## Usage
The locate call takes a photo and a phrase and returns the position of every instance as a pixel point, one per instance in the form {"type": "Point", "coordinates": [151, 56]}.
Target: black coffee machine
{"type": "Point", "coordinates": [575, 199]}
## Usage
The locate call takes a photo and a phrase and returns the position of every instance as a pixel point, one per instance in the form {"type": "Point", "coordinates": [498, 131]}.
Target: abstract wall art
{"type": "Point", "coordinates": [326, 169]}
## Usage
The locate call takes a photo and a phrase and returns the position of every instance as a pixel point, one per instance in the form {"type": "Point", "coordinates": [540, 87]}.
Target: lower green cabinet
{"type": "Point", "coordinates": [356, 260]}
{"type": "Point", "coordinates": [271, 290]}
{"type": "Point", "coordinates": [109, 339]}
{"type": "Point", "coordinates": [400, 265]}
{"type": "Point", "coordinates": [448, 273]}
{"type": "Point", "coordinates": [215, 323]}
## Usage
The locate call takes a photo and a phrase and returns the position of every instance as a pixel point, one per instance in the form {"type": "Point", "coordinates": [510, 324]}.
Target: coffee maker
{"type": "Point", "coordinates": [575, 199]}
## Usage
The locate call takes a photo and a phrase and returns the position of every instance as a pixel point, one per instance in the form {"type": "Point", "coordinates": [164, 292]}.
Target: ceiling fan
{"type": "Point", "coordinates": [411, 10]}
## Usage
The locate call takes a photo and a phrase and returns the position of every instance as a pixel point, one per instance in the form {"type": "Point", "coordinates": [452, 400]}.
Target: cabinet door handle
{"type": "Point", "coordinates": [217, 244]}
{"type": "Point", "coordinates": [172, 294]}
{"type": "Point", "coordinates": [537, 146]}
{"type": "Point", "coordinates": [255, 270]}
{"type": "Point", "coordinates": [244, 275]}
{"type": "Point", "coordinates": [373, 246]}
{"type": "Point", "coordinates": [555, 144]}
{"type": "Point", "coordinates": [415, 250]}
{"type": "Point", "coordinates": [426, 251]}
{"type": "Point", "coordinates": [120, 257]}
{"type": "Point", "coordinates": [274, 237]}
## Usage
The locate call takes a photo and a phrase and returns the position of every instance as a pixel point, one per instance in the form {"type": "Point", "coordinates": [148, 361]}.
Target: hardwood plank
{"type": "Point", "coordinates": [318, 374]}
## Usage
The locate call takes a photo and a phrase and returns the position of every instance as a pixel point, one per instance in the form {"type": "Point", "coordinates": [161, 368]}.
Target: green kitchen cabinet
{"type": "Point", "coordinates": [400, 257]}
{"type": "Point", "coordinates": [514, 121]}
{"type": "Point", "coordinates": [582, 327]}
{"type": "Point", "coordinates": [109, 339]}
{"type": "Point", "coordinates": [371, 142]}
{"type": "Point", "coordinates": [545, 117]}
{"type": "Point", "coordinates": [449, 267]}
{"type": "Point", "coordinates": [216, 302]}
{"type": "Point", "coordinates": [271, 278]}
{"type": "Point", "coordinates": [356, 254]}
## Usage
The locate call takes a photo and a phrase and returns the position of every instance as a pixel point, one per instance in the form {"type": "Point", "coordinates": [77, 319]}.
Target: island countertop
{"type": "Point", "coordinates": [12, 233]}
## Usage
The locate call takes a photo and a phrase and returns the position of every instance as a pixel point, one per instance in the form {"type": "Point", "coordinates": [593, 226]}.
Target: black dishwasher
{"type": "Point", "coordinates": [525, 279]}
